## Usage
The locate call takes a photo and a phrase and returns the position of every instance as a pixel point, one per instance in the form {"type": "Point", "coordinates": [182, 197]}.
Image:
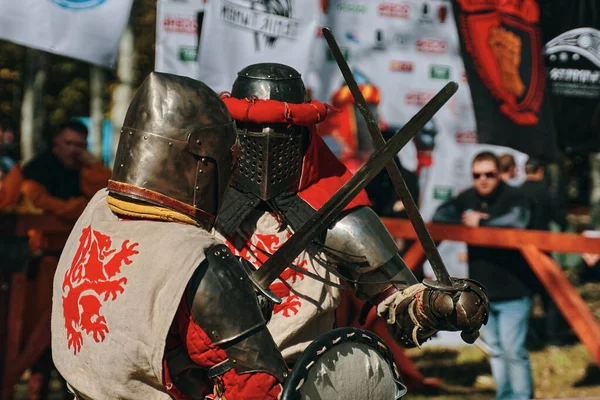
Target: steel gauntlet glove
{"type": "Point", "coordinates": [418, 312]}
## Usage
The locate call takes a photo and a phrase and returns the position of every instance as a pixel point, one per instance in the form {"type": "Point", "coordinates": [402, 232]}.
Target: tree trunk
{"type": "Point", "coordinates": [97, 85]}
{"type": "Point", "coordinates": [33, 111]}
{"type": "Point", "coordinates": [124, 91]}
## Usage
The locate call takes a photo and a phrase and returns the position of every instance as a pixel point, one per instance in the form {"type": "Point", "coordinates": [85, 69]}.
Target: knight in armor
{"type": "Point", "coordinates": [147, 304]}
{"type": "Point", "coordinates": [285, 173]}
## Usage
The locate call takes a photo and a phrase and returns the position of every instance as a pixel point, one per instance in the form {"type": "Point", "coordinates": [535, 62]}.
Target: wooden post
{"type": "Point", "coordinates": [569, 302]}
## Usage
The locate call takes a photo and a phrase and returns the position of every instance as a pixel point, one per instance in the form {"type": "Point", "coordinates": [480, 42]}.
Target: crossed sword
{"type": "Point", "coordinates": [383, 157]}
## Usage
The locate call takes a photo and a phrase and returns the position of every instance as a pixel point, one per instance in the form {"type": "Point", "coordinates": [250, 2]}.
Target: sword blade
{"type": "Point", "coordinates": [433, 255]}
{"type": "Point", "coordinates": [287, 253]}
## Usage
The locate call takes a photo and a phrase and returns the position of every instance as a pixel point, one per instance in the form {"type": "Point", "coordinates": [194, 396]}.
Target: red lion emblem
{"type": "Point", "coordinates": [90, 277]}
{"type": "Point", "coordinates": [265, 245]}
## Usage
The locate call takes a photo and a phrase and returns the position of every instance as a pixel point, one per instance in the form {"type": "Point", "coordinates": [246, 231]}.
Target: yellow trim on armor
{"type": "Point", "coordinates": [142, 210]}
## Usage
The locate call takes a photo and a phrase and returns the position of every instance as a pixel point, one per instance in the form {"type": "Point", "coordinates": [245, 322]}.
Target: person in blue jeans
{"type": "Point", "coordinates": [504, 273]}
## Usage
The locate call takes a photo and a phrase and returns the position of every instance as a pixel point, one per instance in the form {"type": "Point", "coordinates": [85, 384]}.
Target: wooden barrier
{"type": "Point", "coordinates": [21, 349]}
{"type": "Point", "coordinates": [532, 244]}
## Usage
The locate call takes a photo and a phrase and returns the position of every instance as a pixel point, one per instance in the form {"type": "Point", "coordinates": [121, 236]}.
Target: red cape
{"type": "Point", "coordinates": [323, 174]}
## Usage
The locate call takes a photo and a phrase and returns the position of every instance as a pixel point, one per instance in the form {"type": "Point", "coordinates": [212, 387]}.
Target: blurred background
{"type": "Point", "coordinates": [529, 76]}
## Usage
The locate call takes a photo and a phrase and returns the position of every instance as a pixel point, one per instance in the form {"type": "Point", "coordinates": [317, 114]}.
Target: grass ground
{"type": "Point", "coordinates": [558, 372]}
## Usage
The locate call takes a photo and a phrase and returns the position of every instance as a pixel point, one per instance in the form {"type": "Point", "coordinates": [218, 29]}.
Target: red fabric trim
{"type": "Point", "coordinates": [323, 174]}
{"type": "Point", "coordinates": [275, 112]}
{"type": "Point", "coordinates": [186, 332]}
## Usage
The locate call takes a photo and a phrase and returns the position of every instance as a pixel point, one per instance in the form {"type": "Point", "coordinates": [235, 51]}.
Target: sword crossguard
{"type": "Point", "coordinates": [456, 285]}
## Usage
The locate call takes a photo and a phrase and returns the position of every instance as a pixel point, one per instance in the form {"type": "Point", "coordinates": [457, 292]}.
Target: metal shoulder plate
{"type": "Point", "coordinates": [360, 237]}
{"type": "Point", "coordinates": [225, 306]}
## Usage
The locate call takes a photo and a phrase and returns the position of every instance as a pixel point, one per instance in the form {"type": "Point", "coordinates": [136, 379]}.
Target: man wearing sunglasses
{"type": "Point", "coordinates": [504, 273]}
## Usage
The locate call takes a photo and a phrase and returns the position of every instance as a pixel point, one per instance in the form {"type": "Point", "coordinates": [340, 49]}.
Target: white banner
{"type": "Point", "coordinates": [409, 49]}
{"type": "Point", "coordinates": [237, 33]}
{"type": "Point", "coordinates": [87, 30]}
{"type": "Point", "coordinates": [177, 36]}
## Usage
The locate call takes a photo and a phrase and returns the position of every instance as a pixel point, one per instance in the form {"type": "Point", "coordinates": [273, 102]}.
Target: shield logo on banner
{"type": "Point", "coordinates": [78, 4]}
{"type": "Point", "coordinates": [504, 43]}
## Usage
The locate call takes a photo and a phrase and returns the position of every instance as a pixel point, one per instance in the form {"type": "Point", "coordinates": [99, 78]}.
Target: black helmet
{"type": "Point", "coordinates": [271, 153]}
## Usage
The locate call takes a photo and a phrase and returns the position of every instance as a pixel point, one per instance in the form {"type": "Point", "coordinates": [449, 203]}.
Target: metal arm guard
{"type": "Point", "coordinates": [421, 311]}
{"type": "Point", "coordinates": [361, 243]}
{"type": "Point", "coordinates": [223, 302]}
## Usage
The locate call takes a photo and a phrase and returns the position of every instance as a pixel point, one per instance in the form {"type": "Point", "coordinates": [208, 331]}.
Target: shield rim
{"type": "Point", "coordinates": [326, 342]}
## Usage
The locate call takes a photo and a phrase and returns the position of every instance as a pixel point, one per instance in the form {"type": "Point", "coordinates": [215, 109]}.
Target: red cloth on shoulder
{"type": "Point", "coordinates": [323, 174]}
{"type": "Point", "coordinates": [185, 332]}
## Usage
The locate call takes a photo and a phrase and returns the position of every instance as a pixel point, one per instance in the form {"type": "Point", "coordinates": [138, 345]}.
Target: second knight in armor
{"type": "Point", "coordinates": [285, 173]}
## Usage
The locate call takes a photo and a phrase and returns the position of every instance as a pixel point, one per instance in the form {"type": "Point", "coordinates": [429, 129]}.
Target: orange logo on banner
{"type": "Point", "coordinates": [90, 277]}
{"type": "Point", "coordinates": [497, 34]}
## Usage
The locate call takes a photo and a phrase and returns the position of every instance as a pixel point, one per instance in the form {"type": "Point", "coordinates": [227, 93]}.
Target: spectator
{"type": "Point", "coordinates": [504, 273]}
{"type": "Point", "coordinates": [590, 270]}
{"type": "Point", "coordinates": [59, 181]}
{"type": "Point", "coordinates": [543, 211]}
{"type": "Point", "coordinates": [382, 193]}
{"type": "Point", "coordinates": [63, 179]}
{"type": "Point", "coordinates": [508, 168]}
{"type": "Point", "coordinates": [10, 188]}
{"type": "Point", "coordinates": [8, 148]}
{"type": "Point", "coordinates": [542, 205]}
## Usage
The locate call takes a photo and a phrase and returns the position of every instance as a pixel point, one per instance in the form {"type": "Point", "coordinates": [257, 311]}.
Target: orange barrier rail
{"type": "Point", "coordinates": [25, 336]}
{"type": "Point", "coordinates": [532, 245]}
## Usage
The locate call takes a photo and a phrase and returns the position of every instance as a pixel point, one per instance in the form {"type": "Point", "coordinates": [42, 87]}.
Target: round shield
{"type": "Point", "coordinates": [346, 363]}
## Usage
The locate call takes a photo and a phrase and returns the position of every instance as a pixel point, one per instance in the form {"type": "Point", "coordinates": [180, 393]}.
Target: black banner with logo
{"type": "Point", "coordinates": [501, 44]}
{"type": "Point", "coordinates": [572, 54]}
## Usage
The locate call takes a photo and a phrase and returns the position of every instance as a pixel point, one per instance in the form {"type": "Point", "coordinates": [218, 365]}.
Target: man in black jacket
{"type": "Point", "coordinates": [509, 281]}
{"type": "Point", "coordinates": [544, 209]}
{"type": "Point", "coordinates": [543, 206]}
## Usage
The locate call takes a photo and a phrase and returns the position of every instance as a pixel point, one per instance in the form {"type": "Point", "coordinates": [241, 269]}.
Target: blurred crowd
{"type": "Point", "coordinates": [58, 182]}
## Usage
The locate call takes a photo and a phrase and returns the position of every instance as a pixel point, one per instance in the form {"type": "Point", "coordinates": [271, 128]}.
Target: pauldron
{"type": "Point", "coordinates": [363, 248]}
{"type": "Point", "coordinates": [224, 304]}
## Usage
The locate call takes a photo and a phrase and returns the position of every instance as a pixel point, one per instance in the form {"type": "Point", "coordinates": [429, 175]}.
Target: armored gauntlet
{"type": "Point", "coordinates": [418, 312]}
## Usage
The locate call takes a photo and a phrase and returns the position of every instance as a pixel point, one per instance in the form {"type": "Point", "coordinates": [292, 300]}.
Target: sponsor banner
{"type": "Point", "coordinates": [177, 26]}
{"type": "Point", "coordinates": [502, 51]}
{"type": "Point", "coordinates": [237, 33]}
{"type": "Point", "coordinates": [88, 30]}
{"type": "Point", "coordinates": [408, 49]}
